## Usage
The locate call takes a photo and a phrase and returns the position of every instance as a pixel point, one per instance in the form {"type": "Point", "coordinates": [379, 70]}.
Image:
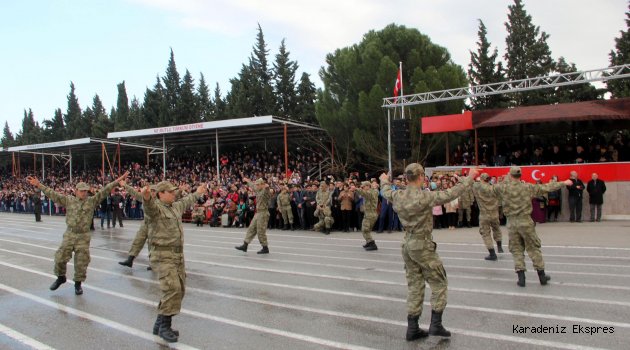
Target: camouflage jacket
{"type": "Point", "coordinates": [415, 206]}
{"type": "Point", "coordinates": [262, 198]}
{"type": "Point", "coordinates": [370, 201]}
{"type": "Point", "coordinates": [166, 220]}
{"type": "Point", "coordinates": [323, 198]}
{"type": "Point", "coordinates": [466, 198]}
{"type": "Point", "coordinates": [284, 200]}
{"type": "Point", "coordinates": [79, 212]}
{"type": "Point", "coordinates": [138, 196]}
{"type": "Point", "coordinates": [487, 200]}
{"type": "Point", "coordinates": [516, 196]}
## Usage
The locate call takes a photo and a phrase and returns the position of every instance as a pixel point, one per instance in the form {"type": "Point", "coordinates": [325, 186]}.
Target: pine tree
{"type": "Point", "coordinates": [187, 104]}
{"type": "Point", "coordinates": [484, 69]}
{"type": "Point", "coordinates": [204, 103]}
{"type": "Point", "coordinates": [172, 90]}
{"type": "Point", "coordinates": [7, 136]}
{"type": "Point", "coordinates": [101, 124]}
{"type": "Point", "coordinates": [284, 75]}
{"type": "Point", "coordinates": [305, 100]}
{"type": "Point", "coordinates": [53, 130]}
{"type": "Point", "coordinates": [527, 54]}
{"type": "Point", "coordinates": [73, 117]}
{"type": "Point", "coordinates": [621, 55]}
{"type": "Point", "coordinates": [574, 93]}
{"type": "Point", "coordinates": [30, 133]}
{"type": "Point", "coordinates": [219, 104]}
{"type": "Point", "coordinates": [154, 108]}
{"type": "Point", "coordinates": [136, 120]}
{"type": "Point", "coordinates": [264, 101]}
{"type": "Point", "coordinates": [121, 117]}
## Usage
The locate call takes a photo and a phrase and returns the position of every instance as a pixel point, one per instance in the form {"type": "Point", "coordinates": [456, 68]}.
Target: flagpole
{"type": "Point", "coordinates": [402, 106]}
{"type": "Point", "coordinates": [389, 141]}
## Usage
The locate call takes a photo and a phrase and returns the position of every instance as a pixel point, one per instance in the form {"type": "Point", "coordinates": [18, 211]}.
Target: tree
{"type": "Point", "coordinates": [54, 129]}
{"type": "Point", "coordinates": [136, 120]}
{"type": "Point", "coordinates": [172, 90]}
{"type": "Point", "coordinates": [218, 103]}
{"type": "Point", "coordinates": [31, 132]}
{"type": "Point", "coordinates": [574, 93]}
{"type": "Point", "coordinates": [101, 123]}
{"type": "Point", "coordinates": [154, 108]}
{"type": "Point", "coordinates": [205, 107]}
{"type": "Point", "coordinates": [621, 55]}
{"type": "Point", "coordinates": [357, 78]}
{"type": "Point", "coordinates": [484, 69]}
{"type": "Point", "coordinates": [7, 136]}
{"type": "Point", "coordinates": [187, 103]}
{"type": "Point", "coordinates": [121, 117]}
{"type": "Point", "coordinates": [305, 100]}
{"type": "Point", "coordinates": [73, 116]}
{"type": "Point", "coordinates": [284, 76]}
{"type": "Point", "coordinates": [527, 54]}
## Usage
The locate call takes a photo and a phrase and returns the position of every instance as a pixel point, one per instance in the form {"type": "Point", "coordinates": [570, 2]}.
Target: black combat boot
{"type": "Point", "coordinates": [436, 327]}
{"type": "Point", "coordinates": [165, 331]}
{"type": "Point", "coordinates": [542, 277]}
{"type": "Point", "coordinates": [59, 281]}
{"type": "Point", "coordinates": [149, 268]}
{"type": "Point", "coordinates": [77, 288]}
{"type": "Point", "coordinates": [156, 326]}
{"type": "Point", "coordinates": [492, 256]}
{"type": "Point", "coordinates": [499, 247]}
{"type": "Point", "coordinates": [264, 250]}
{"type": "Point", "coordinates": [521, 278]}
{"type": "Point", "coordinates": [371, 246]}
{"type": "Point", "coordinates": [413, 330]}
{"type": "Point", "coordinates": [285, 227]}
{"type": "Point", "coordinates": [128, 262]}
{"type": "Point", "coordinates": [292, 227]}
{"type": "Point", "coordinates": [326, 230]}
{"type": "Point", "coordinates": [366, 244]}
{"type": "Point", "coordinates": [242, 247]}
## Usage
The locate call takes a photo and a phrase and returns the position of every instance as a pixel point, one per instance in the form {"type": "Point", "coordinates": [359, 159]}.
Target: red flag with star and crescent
{"type": "Point", "coordinates": [398, 86]}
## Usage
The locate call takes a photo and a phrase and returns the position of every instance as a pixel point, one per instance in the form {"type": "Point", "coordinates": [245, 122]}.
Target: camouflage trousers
{"type": "Point", "coordinates": [523, 237]}
{"type": "Point", "coordinates": [487, 224]}
{"type": "Point", "coordinates": [79, 244]}
{"type": "Point", "coordinates": [366, 226]}
{"type": "Point", "coordinates": [258, 226]}
{"type": "Point", "coordinates": [287, 215]}
{"type": "Point", "coordinates": [422, 264]}
{"type": "Point", "coordinates": [139, 240]}
{"type": "Point", "coordinates": [460, 215]}
{"type": "Point", "coordinates": [325, 219]}
{"type": "Point", "coordinates": [198, 219]}
{"type": "Point", "coordinates": [172, 278]}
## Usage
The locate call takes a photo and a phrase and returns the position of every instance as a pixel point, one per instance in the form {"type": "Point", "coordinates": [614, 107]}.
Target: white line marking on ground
{"type": "Point", "coordinates": [24, 339]}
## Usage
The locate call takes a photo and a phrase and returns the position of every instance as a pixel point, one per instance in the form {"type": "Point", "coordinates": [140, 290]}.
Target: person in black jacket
{"type": "Point", "coordinates": [596, 189]}
{"type": "Point", "coordinates": [118, 202]}
{"type": "Point", "coordinates": [37, 205]}
{"type": "Point", "coordinates": [575, 198]}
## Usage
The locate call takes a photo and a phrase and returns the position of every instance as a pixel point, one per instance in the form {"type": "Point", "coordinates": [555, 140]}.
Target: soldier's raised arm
{"type": "Point", "coordinates": [49, 192]}
{"type": "Point", "coordinates": [150, 205]}
{"type": "Point", "coordinates": [541, 189]}
{"type": "Point", "coordinates": [100, 195]}
{"type": "Point", "coordinates": [386, 188]}
{"type": "Point", "coordinates": [442, 197]}
{"type": "Point", "coordinates": [190, 199]}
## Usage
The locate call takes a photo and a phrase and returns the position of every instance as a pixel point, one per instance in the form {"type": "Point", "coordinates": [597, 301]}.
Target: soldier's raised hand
{"type": "Point", "coordinates": [383, 177]}
{"type": "Point", "coordinates": [568, 182]}
{"type": "Point", "coordinates": [32, 180]}
{"type": "Point", "coordinates": [124, 176]}
{"type": "Point", "coordinates": [202, 188]}
{"type": "Point", "coordinates": [474, 173]}
{"type": "Point", "coordinates": [146, 192]}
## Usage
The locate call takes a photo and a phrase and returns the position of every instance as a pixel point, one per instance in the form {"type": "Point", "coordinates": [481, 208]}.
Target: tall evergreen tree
{"type": "Point", "coordinates": [154, 109]}
{"type": "Point", "coordinates": [218, 103]}
{"type": "Point", "coordinates": [136, 120]}
{"type": "Point", "coordinates": [527, 54]}
{"type": "Point", "coordinates": [172, 90]}
{"type": "Point", "coordinates": [31, 132]}
{"type": "Point", "coordinates": [73, 116]}
{"type": "Point", "coordinates": [574, 93]}
{"type": "Point", "coordinates": [7, 136]}
{"type": "Point", "coordinates": [284, 76]}
{"type": "Point", "coordinates": [55, 127]}
{"type": "Point", "coordinates": [121, 118]}
{"type": "Point", "coordinates": [621, 55]}
{"type": "Point", "coordinates": [204, 103]}
{"type": "Point", "coordinates": [187, 103]}
{"type": "Point", "coordinates": [484, 69]}
{"type": "Point", "coordinates": [305, 100]}
{"type": "Point", "coordinates": [101, 123]}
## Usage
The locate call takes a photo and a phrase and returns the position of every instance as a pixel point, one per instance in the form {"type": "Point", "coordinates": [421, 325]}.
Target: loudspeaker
{"type": "Point", "coordinates": [401, 138]}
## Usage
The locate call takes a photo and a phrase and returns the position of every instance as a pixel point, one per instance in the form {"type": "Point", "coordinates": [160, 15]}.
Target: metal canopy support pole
{"type": "Point", "coordinates": [34, 163]}
{"type": "Point", "coordinates": [448, 152]}
{"type": "Point", "coordinates": [103, 163]}
{"type": "Point", "coordinates": [13, 164]}
{"type": "Point", "coordinates": [389, 140]}
{"type": "Point", "coordinates": [163, 157]}
{"type": "Point", "coordinates": [70, 154]}
{"type": "Point", "coordinates": [494, 142]}
{"type": "Point", "coordinates": [216, 138]}
{"type": "Point", "coordinates": [119, 165]}
{"type": "Point", "coordinates": [476, 148]}
{"type": "Point", "coordinates": [286, 154]}
{"type": "Point", "coordinates": [147, 157]}
{"type": "Point", "coordinates": [43, 171]}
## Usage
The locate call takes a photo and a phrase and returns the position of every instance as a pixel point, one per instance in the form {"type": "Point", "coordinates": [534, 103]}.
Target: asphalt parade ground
{"type": "Point", "coordinates": [315, 291]}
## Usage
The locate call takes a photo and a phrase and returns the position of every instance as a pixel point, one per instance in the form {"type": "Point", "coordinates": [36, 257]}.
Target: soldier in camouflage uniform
{"type": "Point", "coordinates": [422, 263]}
{"type": "Point", "coordinates": [370, 202]}
{"type": "Point", "coordinates": [143, 232]}
{"type": "Point", "coordinates": [284, 206]}
{"type": "Point", "coordinates": [517, 206]}
{"type": "Point", "coordinates": [323, 212]}
{"type": "Point", "coordinates": [198, 215]}
{"type": "Point", "coordinates": [76, 239]}
{"type": "Point", "coordinates": [258, 225]}
{"type": "Point", "coordinates": [488, 215]}
{"type": "Point", "coordinates": [167, 250]}
{"type": "Point", "coordinates": [465, 202]}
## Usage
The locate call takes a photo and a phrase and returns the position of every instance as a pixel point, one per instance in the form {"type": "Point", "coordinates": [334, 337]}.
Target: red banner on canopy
{"type": "Point", "coordinates": [606, 171]}
{"type": "Point", "coordinates": [447, 123]}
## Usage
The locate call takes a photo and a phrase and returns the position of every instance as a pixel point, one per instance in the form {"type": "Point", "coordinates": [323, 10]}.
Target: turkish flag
{"type": "Point", "coordinates": [398, 86]}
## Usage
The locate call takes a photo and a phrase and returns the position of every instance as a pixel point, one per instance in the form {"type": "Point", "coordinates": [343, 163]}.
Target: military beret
{"type": "Point", "coordinates": [485, 176]}
{"type": "Point", "coordinates": [82, 186]}
{"type": "Point", "coordinates": [165, 186]}
{"type": "Point", "coordinates": [365, 183]}
{"type": "Point", "coordinates": [515, 170]}
{"type": "Point", "coordinates": [414, 169]}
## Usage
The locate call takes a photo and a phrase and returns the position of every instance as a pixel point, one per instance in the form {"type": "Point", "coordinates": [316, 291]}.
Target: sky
{"type": "Point", "coordinates": [97, 44]}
